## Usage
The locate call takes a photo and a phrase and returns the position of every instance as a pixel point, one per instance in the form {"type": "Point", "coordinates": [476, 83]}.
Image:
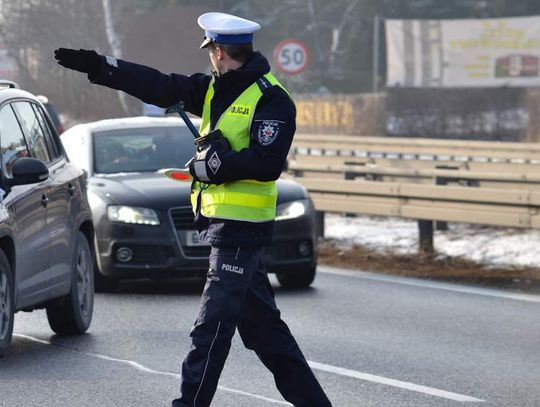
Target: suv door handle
{"type": "Point", "coordinates": [71, 189]}
{"type": "Point", "coordinates": [44, 200]}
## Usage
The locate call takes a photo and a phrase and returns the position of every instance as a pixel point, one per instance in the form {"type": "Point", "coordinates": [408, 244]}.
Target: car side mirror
{"type": "Point", "coordinates": [28, 170]}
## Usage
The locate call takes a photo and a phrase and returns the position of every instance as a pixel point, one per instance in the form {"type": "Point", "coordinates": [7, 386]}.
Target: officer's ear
{"type": "Point", "coordinates": [219, 53]}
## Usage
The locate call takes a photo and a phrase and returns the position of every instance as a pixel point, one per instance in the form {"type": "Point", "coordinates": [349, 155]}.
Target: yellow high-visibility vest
{"type": "Point", "coordinates": [246, 200]}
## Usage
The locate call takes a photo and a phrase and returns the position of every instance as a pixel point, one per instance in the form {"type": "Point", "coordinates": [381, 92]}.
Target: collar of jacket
{"type": "Point", "coordinates": [244, 76]}
{"type": "Point", "coordinates": [232, 83]}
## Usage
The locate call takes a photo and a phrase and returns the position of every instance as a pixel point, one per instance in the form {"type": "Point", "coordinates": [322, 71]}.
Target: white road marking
{"type": "Point", "coordinates": [394, 383]}
{"type": "Point", "coordinates": [145, 369]}
{"type": "Point", "coordinates": [430, 284]}
{"type": "Point", "coordinates": [314, 365]}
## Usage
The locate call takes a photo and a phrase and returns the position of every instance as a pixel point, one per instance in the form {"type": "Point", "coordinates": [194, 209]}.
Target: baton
{"type": "Point", "coordinates": [180, 174]}
{"type": "Point", "coordinates": [179, 108]}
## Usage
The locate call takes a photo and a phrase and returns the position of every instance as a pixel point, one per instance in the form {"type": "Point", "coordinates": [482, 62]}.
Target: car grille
{"type": "Point", "coordinates": [183, 219]}
{"type": "Point", "coordinates": [152, 255]}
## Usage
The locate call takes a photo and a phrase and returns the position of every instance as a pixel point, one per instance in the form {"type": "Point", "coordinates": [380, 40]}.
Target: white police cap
{"type": "Point", "coordinates": [226, 29]}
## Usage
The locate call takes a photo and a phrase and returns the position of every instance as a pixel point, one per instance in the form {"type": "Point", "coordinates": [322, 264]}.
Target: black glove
{"type": "Point", "coordinates": [206, 163]}
{"type": "Point", "coordinates": [214, 138]}
{"type": "Point", "coordinates": [82, 60]}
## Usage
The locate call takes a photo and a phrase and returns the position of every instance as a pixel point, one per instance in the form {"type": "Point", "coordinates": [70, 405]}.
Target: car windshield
{"type": "Point", "coordinates": [142, 149]}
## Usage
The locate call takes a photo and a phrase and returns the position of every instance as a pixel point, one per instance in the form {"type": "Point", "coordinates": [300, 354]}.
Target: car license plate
{"type": "Point", "coordinates": [191, 238]}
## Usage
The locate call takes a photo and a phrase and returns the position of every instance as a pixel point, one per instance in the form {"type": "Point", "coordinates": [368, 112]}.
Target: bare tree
{"type": "Point", "coordinates": [339, 34]}
{"type": "Point", "coordinates": [115, 44]}
{"type": "Point", "coordinates": [32, 29]}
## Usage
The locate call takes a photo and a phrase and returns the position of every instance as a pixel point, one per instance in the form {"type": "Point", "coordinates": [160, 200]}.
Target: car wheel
{"type": "Point", "coordinates": [296, 279]}
{"type": "Point", "coordinates": [7, 304]}
{"type": "Point", "coordinates": [72, 314]}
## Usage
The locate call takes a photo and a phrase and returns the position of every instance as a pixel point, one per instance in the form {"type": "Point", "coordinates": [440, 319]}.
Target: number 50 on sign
{"type": "Point", "coordinates": [291, 56]}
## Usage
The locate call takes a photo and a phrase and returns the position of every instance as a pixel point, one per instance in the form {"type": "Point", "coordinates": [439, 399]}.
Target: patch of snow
{"type": "Point", "coordinates": [488, 245]}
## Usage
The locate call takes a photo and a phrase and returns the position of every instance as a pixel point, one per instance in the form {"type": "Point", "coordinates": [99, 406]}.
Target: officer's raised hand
{"type": "Point", "coordinates": [82, 60]}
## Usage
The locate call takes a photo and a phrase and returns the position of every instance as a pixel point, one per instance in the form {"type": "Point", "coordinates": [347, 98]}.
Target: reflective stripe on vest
{"type": "Point", "coordinates": [247, 200]}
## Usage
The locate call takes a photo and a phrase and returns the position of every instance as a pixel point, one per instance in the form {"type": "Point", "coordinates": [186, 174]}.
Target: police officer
{"type": "Point", "coordinates": [248, 119]}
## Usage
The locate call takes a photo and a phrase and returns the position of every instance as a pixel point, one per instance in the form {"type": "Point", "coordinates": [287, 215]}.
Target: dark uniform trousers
{"type": "Point", "coordinates": [238, 294]}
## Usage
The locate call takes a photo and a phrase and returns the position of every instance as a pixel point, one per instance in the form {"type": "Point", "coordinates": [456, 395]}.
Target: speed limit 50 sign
{"type": "Point", "coordinates": [291, 56]}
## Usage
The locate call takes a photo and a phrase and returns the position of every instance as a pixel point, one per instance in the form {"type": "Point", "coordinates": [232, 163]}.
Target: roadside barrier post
{"type": "Point", "coordinates": [425, 228]}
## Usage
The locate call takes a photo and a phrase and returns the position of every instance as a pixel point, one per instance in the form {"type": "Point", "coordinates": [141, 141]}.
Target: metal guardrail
{"type": "Point", "coordinates": [487, 206]}
{"type": "Point", "coordinates": [415, 148]}
{"type": "Point", "coordinates": [497, 197]}
{"type": "Point", "coordinates": [441, 175]}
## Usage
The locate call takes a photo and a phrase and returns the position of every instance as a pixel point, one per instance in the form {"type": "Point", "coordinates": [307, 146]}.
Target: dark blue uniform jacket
{"type": "Point", "coordinates": [271, 131]}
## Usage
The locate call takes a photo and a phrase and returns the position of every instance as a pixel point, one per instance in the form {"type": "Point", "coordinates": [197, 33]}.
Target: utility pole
{"type": "Point", "coordinates": [376, 54]}
{"type": "Point", "coordinates": [115, 44]}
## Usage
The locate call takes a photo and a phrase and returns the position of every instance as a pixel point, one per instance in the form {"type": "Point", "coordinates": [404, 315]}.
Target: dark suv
{"type": "Point", "coordinates": [46, 232]}
{"type": "Point", "coordinates": [53, 114]}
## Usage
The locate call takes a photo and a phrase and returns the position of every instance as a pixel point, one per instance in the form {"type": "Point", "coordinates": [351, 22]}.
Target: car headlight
{"type": "Point", "coordinates": [131, 214]}
{"type": "Point", "coordinates": [292, 210]}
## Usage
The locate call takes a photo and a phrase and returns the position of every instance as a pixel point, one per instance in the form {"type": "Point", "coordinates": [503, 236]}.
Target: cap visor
{"type": "Point", "coordinates": [205, 43]}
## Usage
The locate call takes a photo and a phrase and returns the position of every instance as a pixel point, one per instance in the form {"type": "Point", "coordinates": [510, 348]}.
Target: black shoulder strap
{"type": "Point", "coordinates": [263, 83]}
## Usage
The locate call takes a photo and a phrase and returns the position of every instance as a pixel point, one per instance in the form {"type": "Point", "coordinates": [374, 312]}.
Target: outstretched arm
{"type": "Point", "coordinates": [143, 82]}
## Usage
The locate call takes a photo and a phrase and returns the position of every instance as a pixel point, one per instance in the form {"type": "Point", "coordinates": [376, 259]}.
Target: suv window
{"type": "Point", "coordinates": [52, 141]}
{"type": "Point", "coordinates": [12, 142]}
{"type": "Point", "coordinates": [37, 143]}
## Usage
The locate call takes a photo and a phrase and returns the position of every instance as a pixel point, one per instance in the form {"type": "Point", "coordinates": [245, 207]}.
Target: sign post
{"type": "Point", "coordinates": [292, 56]}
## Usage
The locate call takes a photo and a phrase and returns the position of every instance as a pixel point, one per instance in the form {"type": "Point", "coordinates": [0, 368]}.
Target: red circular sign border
{"type": "Point", "coordinates": [297, 42]}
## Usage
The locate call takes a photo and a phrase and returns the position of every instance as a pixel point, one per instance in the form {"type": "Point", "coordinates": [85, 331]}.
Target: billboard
{"type": "Point", "coordinates": [463, 53]}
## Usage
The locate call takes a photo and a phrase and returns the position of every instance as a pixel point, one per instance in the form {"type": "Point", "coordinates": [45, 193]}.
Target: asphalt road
{"type": "Point", "coordinates": [372, 340]}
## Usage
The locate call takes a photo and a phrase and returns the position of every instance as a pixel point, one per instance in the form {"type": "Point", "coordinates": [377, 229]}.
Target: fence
{"type": "Point", "coordinates": [490, 183]}
{"type": "Point", "coordinates": [505, 114]}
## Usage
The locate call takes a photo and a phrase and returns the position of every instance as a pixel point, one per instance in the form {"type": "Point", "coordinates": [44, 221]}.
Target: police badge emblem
{"type": "Point", "coordinates": [214, 163]}
{"type": "Point", "coordinates": [268, 131]}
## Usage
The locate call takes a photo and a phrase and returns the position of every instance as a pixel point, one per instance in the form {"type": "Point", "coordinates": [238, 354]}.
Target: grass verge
{"type": "Point", "coordinates": [437, 267]}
